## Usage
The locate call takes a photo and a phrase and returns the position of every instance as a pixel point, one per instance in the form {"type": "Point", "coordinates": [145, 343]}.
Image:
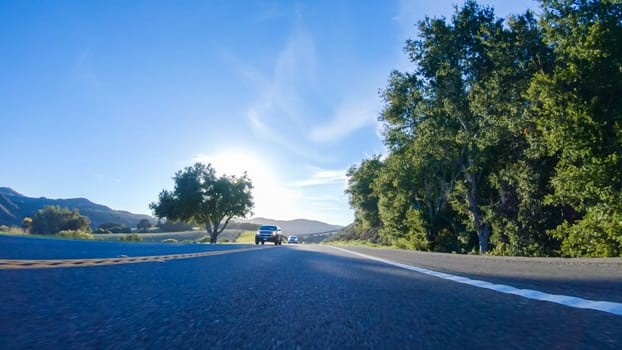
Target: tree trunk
{"type": "Point", "coordinates": [483, 233]}
{"type": "Point", "coordinates": [213, 235]}
{"type": "Point", "coordinates": [483, 229]}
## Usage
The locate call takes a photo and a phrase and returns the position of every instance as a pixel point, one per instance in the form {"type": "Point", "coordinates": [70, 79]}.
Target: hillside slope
{"type": "Point", "coordinates": [14, 207]}
{"type": "Point", "coordinates": [297, 226]}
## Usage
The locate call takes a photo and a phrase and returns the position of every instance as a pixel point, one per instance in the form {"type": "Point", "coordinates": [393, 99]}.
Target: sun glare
{"type": "Point", "coordinates": [272, 198]}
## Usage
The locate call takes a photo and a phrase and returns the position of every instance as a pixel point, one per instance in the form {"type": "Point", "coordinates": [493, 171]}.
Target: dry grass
{"type": "Point", "coordinates": [182, 237]}
{"type": "Point", "coordinates": [247, 237]}
{"type": "Point", "coordinates": [12, 230]}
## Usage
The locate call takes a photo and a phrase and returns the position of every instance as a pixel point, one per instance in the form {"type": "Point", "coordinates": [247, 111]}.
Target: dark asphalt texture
{"type": "Point", "coordinates": [594, 279]}
{"type": "Point", "coordinates": [303, 297]}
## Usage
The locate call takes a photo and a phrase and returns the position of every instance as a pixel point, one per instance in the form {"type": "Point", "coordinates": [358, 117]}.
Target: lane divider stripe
{"type": "Point", "coordinates": [575, 302]}
{"type": "Point", "coordinates": [56, 263]}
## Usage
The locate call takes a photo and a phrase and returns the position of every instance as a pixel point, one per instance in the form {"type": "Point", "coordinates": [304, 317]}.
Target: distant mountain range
{"type": "Point", "coordinates": [298, 226]}
{"type": "Point", "coordinates": [14, 207]}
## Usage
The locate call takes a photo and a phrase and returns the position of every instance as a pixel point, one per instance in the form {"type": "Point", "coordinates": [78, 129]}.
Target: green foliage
{"type": "Point", "coordinates": [144, 224]}
{"type": "Point", "coordinates": [521, 217]}
{"type": "Point", "coordinates": [202, 197]}
{"type": "Point", "coordinates": [597, 234]}
{"type": "Point", "coordinates": [26, 224]}
{"type": "Point", "coordinates": [578, 122]}
{"type": "Point", "coordinates": [351, 233]}
{"type": "Point", "coordinates": [53, 219]}
{"type": "Point", "coordinates": [75, 234]}
{"type": "Point", "coordinates": [361, 195]}
{"type": "Point", "coordinates": [506, 136]}
{"type": "Point", "coordinates": [356, 242]}
{"type": "Point", "coordinates": [173, 226]}
{"type": "Point", "coordinates": [113, 227]}
{"type": "Point", "coordinates": [448, 124]}
{"type": "Point", "coordinates": [13, 230]}
{"type": "Point", "coordinates": [205, 239]}
{"type": "Point", "coordinates": [131, 238]}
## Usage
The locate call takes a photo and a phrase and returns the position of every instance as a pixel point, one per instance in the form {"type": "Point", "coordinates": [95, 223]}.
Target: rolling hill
{"type": "Point", "coordinates": [14, 207]}
{"type": "Point", "coordinates": [298, 227]}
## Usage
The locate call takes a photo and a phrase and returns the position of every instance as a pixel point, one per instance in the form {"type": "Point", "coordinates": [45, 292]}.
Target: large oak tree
{"type": "Point", "coordinates": [206, 199]}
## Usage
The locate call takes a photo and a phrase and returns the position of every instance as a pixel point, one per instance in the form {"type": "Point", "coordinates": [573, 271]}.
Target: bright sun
{"type": "Point", "coordinates": [272, 198]}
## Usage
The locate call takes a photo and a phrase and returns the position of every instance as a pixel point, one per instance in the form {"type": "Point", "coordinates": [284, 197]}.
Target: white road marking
{"type": "Point", "coordinates": [580, 303]}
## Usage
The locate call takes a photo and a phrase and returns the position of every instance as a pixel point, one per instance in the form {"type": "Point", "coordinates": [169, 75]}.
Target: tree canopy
{"type": "Point", "coordinates": [505, 136]}
{"type": "Point", "coordinates": [113, 227]}
{"type": "Point", "coordinates": [206, 199]}
{"type": "Point", "coordinates": [54, 219]}
{"type": "Point", "coordinates": [144, 224]}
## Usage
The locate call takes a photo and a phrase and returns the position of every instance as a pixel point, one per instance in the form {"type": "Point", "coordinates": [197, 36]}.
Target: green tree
{"type": "Point", "coordinates": [457, 124]}
{"type": "Point", "coordinates": [361, 195]}
{"type": "Point", "coordinates": [397, 206]}
{"type": "Point", "coordinates": [202, 197]}
{"type": "Point", "coordinates": [424, 161]}
{"type": "Point", "coordinates": [173, 226]}
{"type": "Point", "coordinates": [453, 61]}
{"type": "Point", "coordinates": [53, 219]}
{"type": "Point", "coordinates": [518, 184]}
{"type": "Point", "coordinates": [577, 114]}
{"type": "Point", "coordinates": [131, 238]}
{"type": "Point", "coordinates": [113, 227]}
{"type": "Point", "coordinates": [144, 224]}
{"type": "Point", "coordinates": [26, 224]}
{"type": "Point", "coordinates": [509, 131]}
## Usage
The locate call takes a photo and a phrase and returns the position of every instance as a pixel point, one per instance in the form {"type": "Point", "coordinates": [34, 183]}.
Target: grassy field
{"type": "Point", "coordinates": [247, 237]}
{"type": "Point", "coordinates": [13, 230]}
{"type": "Point", "coordinates": [181, 237]}
{"type": "Point", "coordinates": [228, 235]}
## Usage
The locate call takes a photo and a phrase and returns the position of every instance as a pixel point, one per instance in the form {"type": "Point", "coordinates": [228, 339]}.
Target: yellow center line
{"type": "Point", "coordinates": [56, 263]}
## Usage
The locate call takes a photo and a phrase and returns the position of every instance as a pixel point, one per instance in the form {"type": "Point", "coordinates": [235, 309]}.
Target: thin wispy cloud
{"type": "Point", "coordinates": [278, 113]}
{"type": "Point", "coordinates": [272, 199]}
{"type": "Point", "coordinates": [293, 70]}
{"type": "Point", "coordinates": [352, 115]}
{"type": "Point", "coordinates": [321, 192]}
{"type": "Point", "coordinates": [107, 178]}
{"type": "Point", "coordinates": [322, 177]}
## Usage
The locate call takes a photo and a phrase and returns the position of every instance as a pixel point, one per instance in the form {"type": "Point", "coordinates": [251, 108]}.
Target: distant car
{"type": "Point", "coordinates": [269, 233]}
{"type": "Point", "coordinates": [292, 240]}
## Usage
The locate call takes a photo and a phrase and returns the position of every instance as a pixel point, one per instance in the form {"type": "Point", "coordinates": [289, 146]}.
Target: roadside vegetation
{"type": "Point", "coordinates": [131, 238]}
{"type": "Point", "coordinates": [53, 221]}
{"type": "Point", "coordinates": [205, 199]}
{"type": "Point", "coordinates": [75, 234]}
{"type": "Point", "coordinates": [246, 237]}
{"type": "Point", "coordinates": [354, 242]}
{"type": "Point", "coordinates": [12, 230]}
{"type": "Point", "coordinates": [504, 137]}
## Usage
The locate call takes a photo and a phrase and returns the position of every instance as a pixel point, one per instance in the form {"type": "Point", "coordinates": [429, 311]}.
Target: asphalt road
{"type": "Point", "coordinates": [288, 297]}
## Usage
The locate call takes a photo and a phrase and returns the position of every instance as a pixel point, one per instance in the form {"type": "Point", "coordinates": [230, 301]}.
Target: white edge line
{"type": "Point", "coordinates": [580, 303]}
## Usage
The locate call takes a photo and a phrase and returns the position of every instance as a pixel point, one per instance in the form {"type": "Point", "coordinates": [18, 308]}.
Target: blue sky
{"type": "Point", "coordinates": [108, 99]}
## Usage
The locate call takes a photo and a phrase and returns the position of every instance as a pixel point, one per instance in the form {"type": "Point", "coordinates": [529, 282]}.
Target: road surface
{"type": "Point", "coordinates": [293, 297]}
